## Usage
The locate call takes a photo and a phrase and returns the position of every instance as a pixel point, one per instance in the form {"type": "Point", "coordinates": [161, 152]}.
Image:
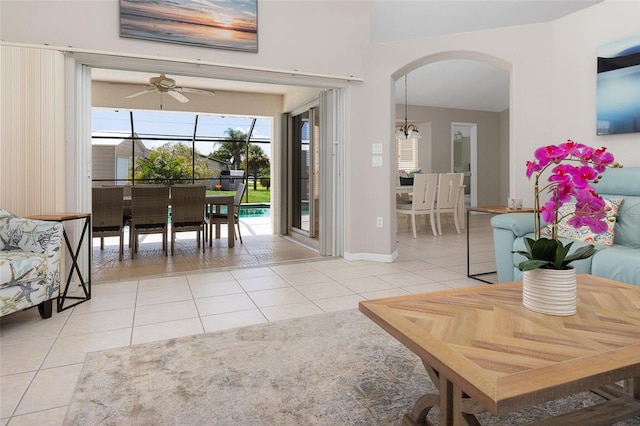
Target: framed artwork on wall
{"type": "Point", "coordinates": [222, 24]}
{"type": "Point", "coordinates": [618, 87]}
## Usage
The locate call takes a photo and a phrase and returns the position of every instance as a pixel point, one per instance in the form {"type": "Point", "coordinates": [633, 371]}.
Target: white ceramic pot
{"type": "Point", "coordinates": [550, 291]}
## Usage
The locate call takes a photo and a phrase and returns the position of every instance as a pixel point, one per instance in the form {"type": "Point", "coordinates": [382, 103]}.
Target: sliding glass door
{"type": "Point", "coordinates": [305, 184]}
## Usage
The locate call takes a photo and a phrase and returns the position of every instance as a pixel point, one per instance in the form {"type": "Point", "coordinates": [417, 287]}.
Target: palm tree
{"type": "Point", "coordinates": [258, 161]}
{"type": "Point", "coordinates": [232, 149]}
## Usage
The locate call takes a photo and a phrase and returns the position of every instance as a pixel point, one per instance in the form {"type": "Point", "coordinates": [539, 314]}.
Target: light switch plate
{"type": "Point", "coordinates": [376, 148]}
{"type": "Point", "coordinates": [376, 161]}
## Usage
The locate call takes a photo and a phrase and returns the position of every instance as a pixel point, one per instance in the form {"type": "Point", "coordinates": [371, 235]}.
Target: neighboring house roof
{"type": "Point", "coordinates": [116, 138]}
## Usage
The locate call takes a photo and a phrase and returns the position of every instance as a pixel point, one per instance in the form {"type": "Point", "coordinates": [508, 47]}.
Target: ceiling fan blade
{"type": "Point", "coordinates": [194, 90]}
{"type": "Point", "coordinates": [178, 96]}
{"type": "Point", "coordinates": [147, 90]}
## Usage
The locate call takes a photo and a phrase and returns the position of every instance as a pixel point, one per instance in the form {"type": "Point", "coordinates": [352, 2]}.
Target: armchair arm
{"type": "Point", "coordinates": [35, 236]}
{"type": "Point", "coordinates": [519, 223]}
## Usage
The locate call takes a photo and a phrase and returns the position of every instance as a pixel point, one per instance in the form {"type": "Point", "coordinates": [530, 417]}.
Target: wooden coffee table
{"type": "Point", "coordinates": [485, 352]}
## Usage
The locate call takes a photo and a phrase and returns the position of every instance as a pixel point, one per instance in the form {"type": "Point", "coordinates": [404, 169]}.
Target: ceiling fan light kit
{"type": "Point", "coordinates": [164, 84]}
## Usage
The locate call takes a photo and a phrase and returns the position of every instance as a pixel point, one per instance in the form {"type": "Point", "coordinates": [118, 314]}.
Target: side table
{"type": "Point", "coordinates": [490, 210]}
{"type": "Point", "coordinates": [84, 283]}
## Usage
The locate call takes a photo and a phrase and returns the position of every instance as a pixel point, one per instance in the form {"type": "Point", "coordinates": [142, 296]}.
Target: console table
{"type": "Point", "coordinates": [490, 210]}
{"type": "Point", "coordinates": [74, 253]}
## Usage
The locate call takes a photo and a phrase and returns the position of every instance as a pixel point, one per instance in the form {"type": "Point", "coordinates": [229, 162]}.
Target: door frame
{"type": "Point", "coordinates": [473, 142]}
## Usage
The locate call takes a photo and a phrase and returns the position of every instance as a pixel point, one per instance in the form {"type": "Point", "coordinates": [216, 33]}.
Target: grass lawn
{"type": "Point", "coordinates": [261, 195]}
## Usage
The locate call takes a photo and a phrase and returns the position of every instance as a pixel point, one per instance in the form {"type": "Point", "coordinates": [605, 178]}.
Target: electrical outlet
{"type": "Point", "coordinates": [379, 222]}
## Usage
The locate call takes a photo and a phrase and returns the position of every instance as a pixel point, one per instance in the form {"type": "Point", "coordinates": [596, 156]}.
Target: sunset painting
{"type": "Point", "coordinates": [225, 24]}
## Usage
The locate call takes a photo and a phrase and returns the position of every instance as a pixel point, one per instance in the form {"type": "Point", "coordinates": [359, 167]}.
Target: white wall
{"type": "Point", "coordinates": [552, 79]}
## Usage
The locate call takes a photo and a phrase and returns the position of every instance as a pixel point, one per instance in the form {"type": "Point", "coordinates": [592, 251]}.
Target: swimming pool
{"type": "Point", "coordinates": [255, 210]}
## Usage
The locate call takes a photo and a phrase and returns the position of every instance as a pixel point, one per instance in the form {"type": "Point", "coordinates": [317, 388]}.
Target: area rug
{"type": "Point", "coordinates": [330, 369]}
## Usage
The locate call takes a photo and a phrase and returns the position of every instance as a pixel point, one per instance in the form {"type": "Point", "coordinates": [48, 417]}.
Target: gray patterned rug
{"type": "Point", "coordinates": [331, 369]}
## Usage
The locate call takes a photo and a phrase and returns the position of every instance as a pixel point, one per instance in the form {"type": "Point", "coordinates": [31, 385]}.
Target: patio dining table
{"type": "Point", "coordinates": [212, 205]}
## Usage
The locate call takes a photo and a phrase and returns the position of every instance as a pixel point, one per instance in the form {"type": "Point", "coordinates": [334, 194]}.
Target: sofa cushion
{"type": "Point", "coordinates": [566, 230]}
{"type": "Point", "coordinates": [619, 263]}
{"type": "Point", "coordinates": [18, 267]}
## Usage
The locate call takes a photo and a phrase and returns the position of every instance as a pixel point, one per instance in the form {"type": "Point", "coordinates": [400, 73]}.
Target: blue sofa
{"type": "Point", "coordinates": [620, 262]}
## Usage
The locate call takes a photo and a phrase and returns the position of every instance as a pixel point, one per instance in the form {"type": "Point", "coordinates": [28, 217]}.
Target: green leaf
{"type": "Point", "coordinates": [561, 253]}
{"type": "Point", "coordinates": [529, 265]}
{"type": "Point", "coordinates": [544, 249]}
{"type": "Point", "coordinates": [581, 253]}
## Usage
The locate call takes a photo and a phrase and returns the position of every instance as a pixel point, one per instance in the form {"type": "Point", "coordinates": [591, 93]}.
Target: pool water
{"type": "Point", "coordinates": [255, 210]}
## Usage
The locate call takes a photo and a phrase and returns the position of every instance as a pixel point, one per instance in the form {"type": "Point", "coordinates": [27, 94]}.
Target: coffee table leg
{"type": "Point", "coordinates": [456, 408]}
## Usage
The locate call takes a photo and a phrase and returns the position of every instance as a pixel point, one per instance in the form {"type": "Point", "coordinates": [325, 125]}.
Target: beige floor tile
{"type": "Point", "coordinates": [215, 288]}
{"type": "Point", "coordinates": [277, 296]}
{"type": "Point", "coordinates": [161, 282]}
{"type": "Point", "coordinates": [324, 290]}
{"type": "Point", "coordinates": [163, 312]}
{"type": "Point", "coordinates": [294, 268]}
{"type": "Point", "coordinates": [232, 320]}
{"type": "Point", "coordinates": [11, 389]}
{"type": "Point", "coordinates": [224, 304]}
{"type": "Point", "coordinates": [97, 321]}
{"type": "Point", "coordinates": [366, 284]}
{"type": "Point", "coordinates": [210, 277]}
{"type": "Point", "coordinates": [348, 273]}
{"type": "Point", "coordinates": [150, 296]}
{"type": "Point", "coordinates": [341, 303]}
{"type": "Point", "coordinates": [106, 302]}
{"type": "Point", "coordinates": [415, 265]}
{"type": "Point", "coordinates": [382, 294]}
{"type": "Point", "coordinates": [166, 330]}
{"type": "Point", "coordinates": [52, 417]}
{"type": "Point", "coordinates": [73, 349]}
{"type": "Point", "coordinates": [404, 278]}
{"type": "Point", "coordinates": [262, 283]}
{"type": "Point", "coordinates": [247, 273]}
{"type": "Point", "coordinates": [381, 268]}
{"type": "Point", "coordinates": [441, 274]}
{"type": "Point", "coordinates": [31, 328]}
{"type": "Point", "coordinates": [330, 265]}
{"type": "Point", "coordinates": [297, 310]}
{"type": "Point", "coordinates": [24, 356]}
{"type": "Point", "coordinates": [306, 278]}
{"type": "Point", "coordinates": [51, 388]}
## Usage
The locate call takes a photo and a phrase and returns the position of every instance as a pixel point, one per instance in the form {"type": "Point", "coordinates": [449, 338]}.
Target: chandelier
{"type": "Point", "coordinates": [406, 130]}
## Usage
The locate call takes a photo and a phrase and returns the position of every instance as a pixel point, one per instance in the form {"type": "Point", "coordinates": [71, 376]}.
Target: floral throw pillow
{"type": "Point", "coordinates": [565, 230]}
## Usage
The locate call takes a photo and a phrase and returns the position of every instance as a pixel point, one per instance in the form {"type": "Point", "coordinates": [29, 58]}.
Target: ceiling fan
{"type": "Point", "coordinates": [164, 84]}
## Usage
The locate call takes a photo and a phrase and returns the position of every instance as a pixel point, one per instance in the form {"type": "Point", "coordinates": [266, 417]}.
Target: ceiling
{"type": "Point", "coordinates": [448, 84]}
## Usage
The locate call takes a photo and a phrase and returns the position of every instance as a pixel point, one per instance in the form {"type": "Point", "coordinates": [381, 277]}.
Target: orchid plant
{"type": "Point", "coordinates": [574, 168]}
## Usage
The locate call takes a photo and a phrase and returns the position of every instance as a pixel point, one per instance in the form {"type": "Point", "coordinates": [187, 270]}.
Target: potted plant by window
{"type": "Point", "coordinates": [549, 281]}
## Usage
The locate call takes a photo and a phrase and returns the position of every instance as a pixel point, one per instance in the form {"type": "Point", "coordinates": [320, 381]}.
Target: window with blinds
{"type": "Point", "coordinates": [407, 154]}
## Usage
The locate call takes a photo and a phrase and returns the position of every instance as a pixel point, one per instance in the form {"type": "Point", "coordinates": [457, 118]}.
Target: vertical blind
{"type": "Point", "coordinates": [407, 154]}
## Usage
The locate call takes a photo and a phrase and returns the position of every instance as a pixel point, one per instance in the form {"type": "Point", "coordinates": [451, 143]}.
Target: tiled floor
{"type": "Point", "coordinates": [40, 360]}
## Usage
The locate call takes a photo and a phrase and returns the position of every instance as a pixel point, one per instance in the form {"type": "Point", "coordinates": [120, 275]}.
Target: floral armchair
{"type": "Point", "coordinates": [30, 252]}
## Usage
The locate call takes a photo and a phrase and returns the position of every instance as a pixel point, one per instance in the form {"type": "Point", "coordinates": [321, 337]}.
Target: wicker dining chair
{"type": "Point", "coordinates": [149, 213]}
{"type": "Point", "coordinates": [187, 211]}
{"type": "Point", "coordinates": [221, 219]}
{"type": "Point", "coordinates": [107, 217]}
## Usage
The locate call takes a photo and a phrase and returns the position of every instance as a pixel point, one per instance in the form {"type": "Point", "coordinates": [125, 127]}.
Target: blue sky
{"type": "Point", "coordinates": [178, 124]}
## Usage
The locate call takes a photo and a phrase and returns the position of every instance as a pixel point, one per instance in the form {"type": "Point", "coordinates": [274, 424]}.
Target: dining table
{"type": "Point", "coordinates": [212, 204]}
